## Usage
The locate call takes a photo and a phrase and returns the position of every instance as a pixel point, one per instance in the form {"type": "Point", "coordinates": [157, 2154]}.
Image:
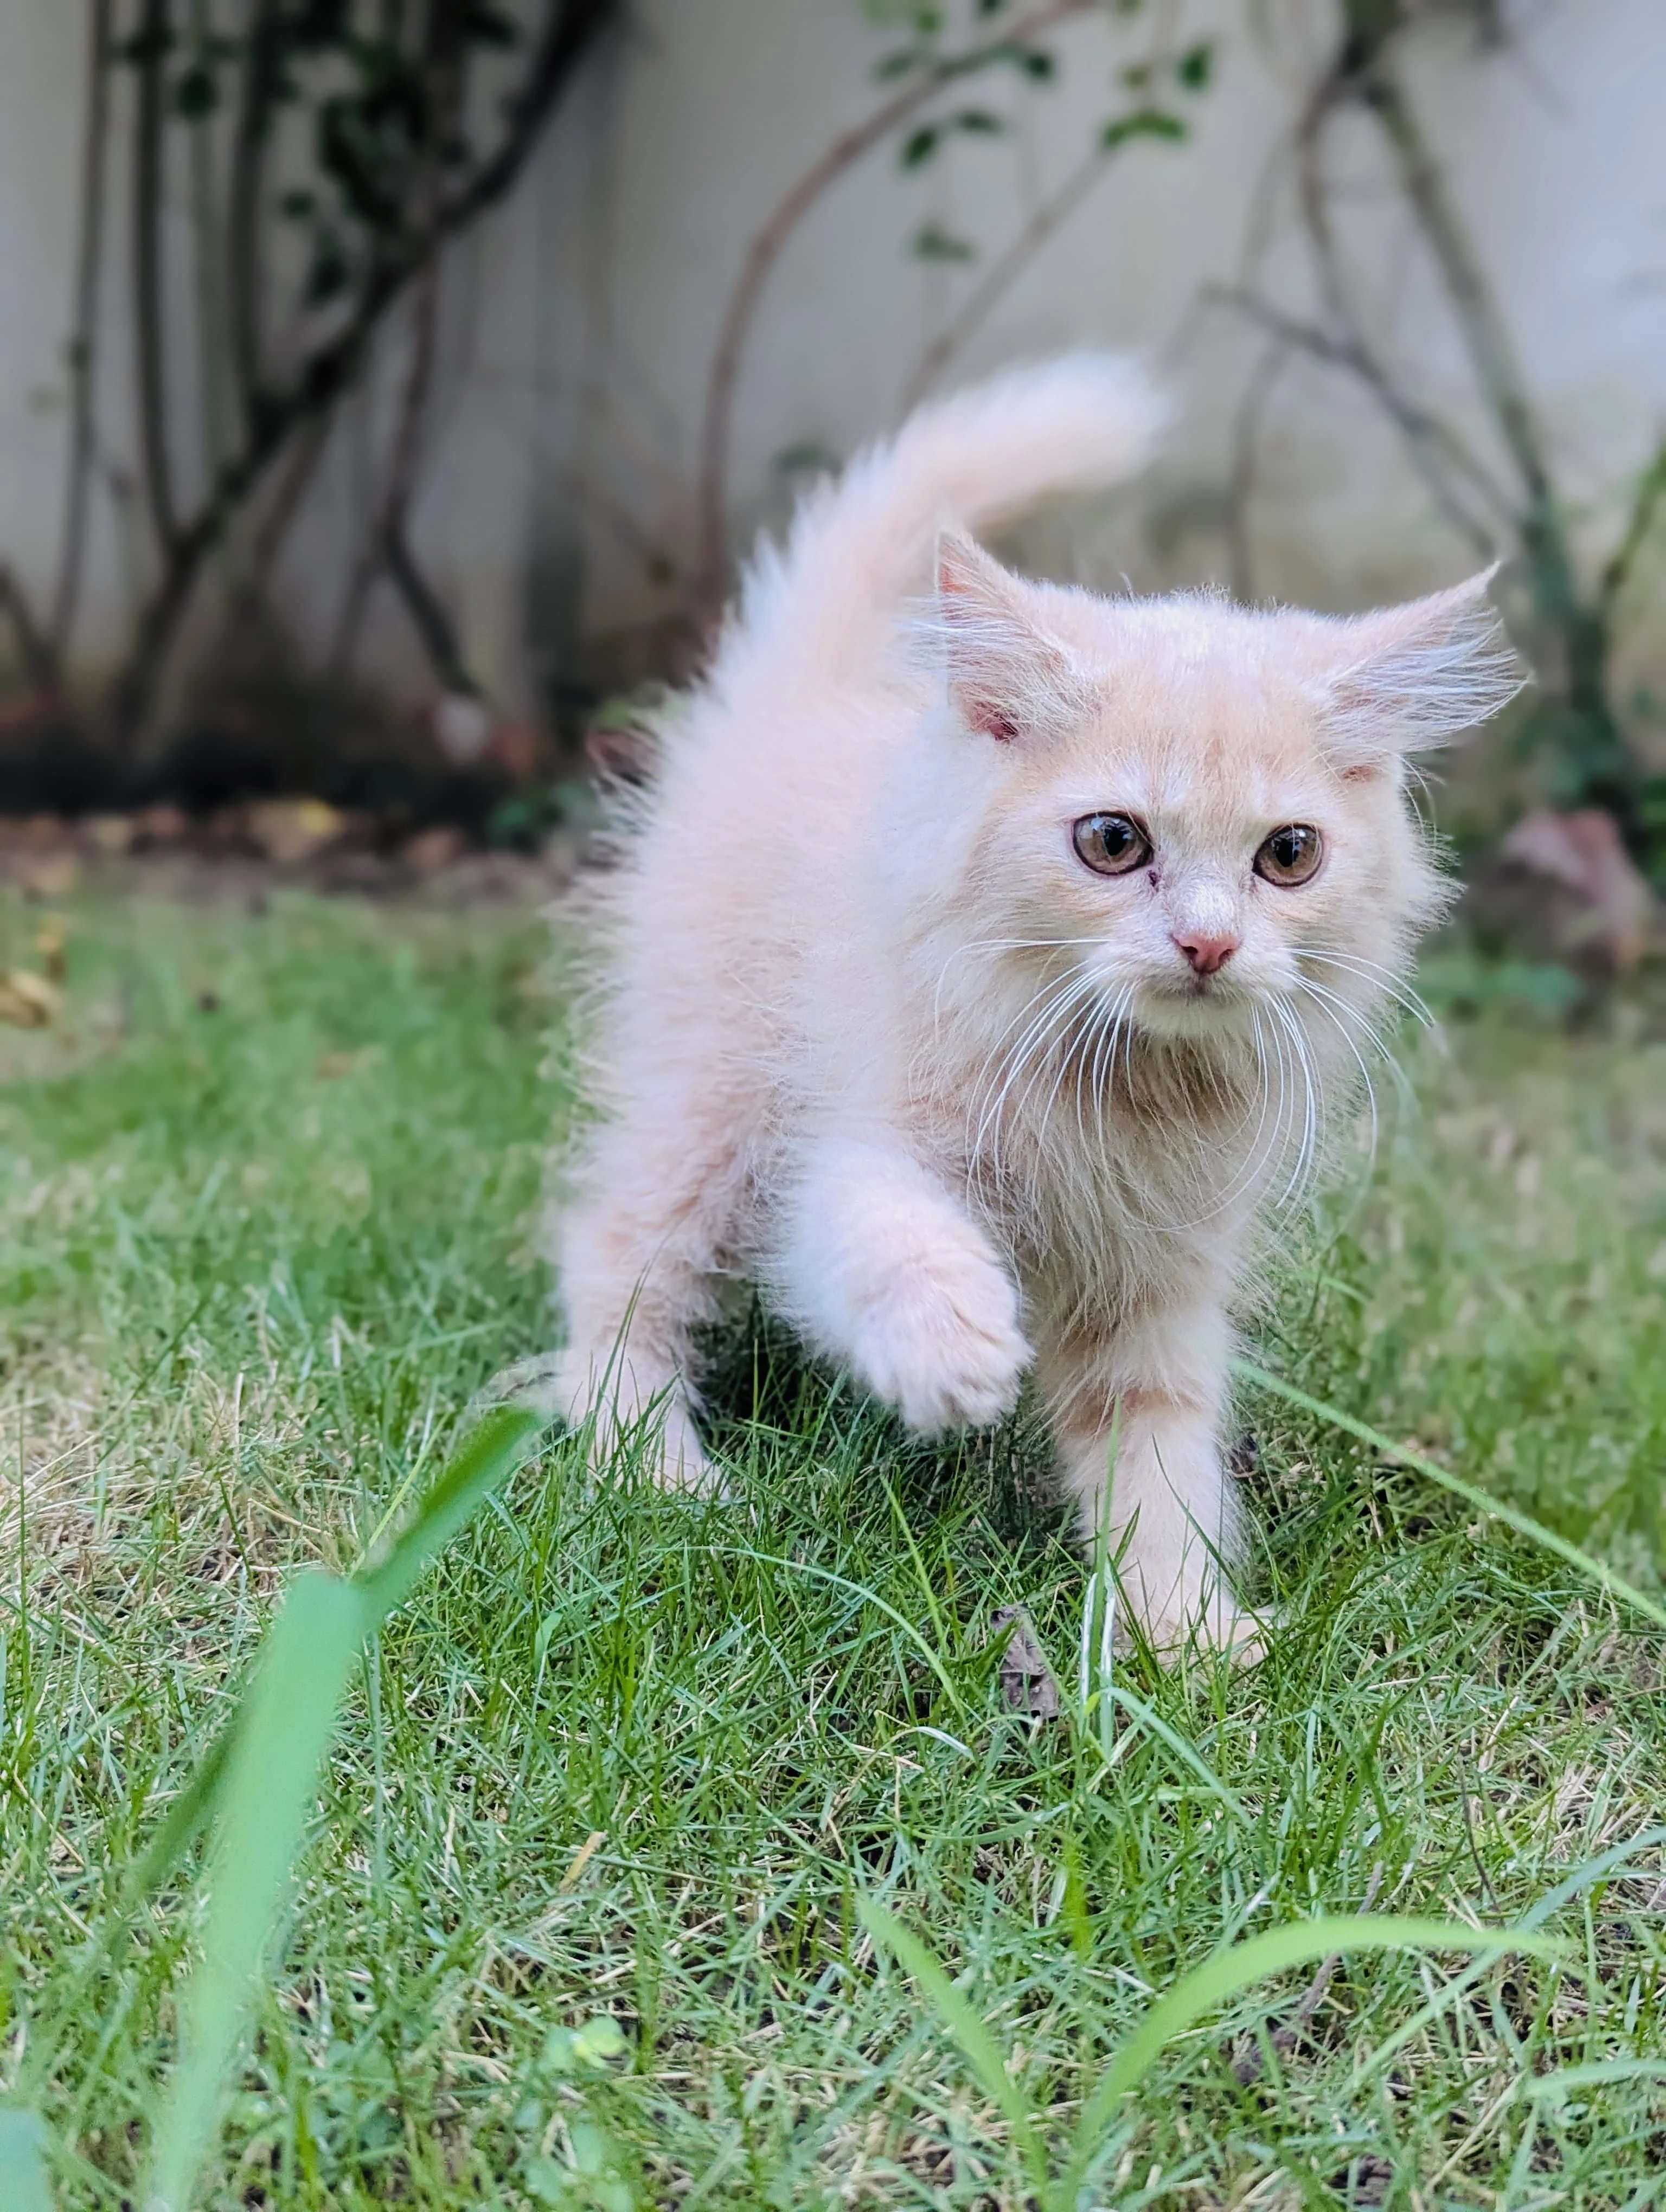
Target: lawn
{"type": "Point", "coordinates": [623, 1757]}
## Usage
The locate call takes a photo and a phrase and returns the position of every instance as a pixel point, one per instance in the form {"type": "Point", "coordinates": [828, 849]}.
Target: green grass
{"type": "Point", "coordinates": [265, 1211]}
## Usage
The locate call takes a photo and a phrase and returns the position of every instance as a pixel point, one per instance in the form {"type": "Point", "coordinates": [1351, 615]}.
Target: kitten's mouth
{"type": "Point", "coordinates": [1192, 1006]}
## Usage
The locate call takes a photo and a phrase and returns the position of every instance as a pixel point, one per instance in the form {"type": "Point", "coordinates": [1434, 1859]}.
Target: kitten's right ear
{"type": "Point", "coordinates": [1002, 677]}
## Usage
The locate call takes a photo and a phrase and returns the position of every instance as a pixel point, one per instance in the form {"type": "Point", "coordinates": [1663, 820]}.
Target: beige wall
{"type": "Point", "coordinates": [581, 327]}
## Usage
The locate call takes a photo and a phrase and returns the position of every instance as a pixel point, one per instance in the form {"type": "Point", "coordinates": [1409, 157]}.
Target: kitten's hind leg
{"type": "Point", "coordinates": [1154, 1390]}
{"type": "Point", "coordinates": [638, 1253]}
{"type": "Point", "coordinates": [881, 1268]}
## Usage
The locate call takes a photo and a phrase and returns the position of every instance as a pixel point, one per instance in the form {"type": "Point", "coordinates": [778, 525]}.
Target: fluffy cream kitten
{"type": "Point", "coordinates": [977, 978]}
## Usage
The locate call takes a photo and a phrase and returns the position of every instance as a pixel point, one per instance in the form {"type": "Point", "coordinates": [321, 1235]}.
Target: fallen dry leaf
{"type": "Point", "coordinates": [1026, 1680]}
{"type": "Point", "coordinates": [27, 1001]}
{"type": "Point", "coordinates": [289, 830]}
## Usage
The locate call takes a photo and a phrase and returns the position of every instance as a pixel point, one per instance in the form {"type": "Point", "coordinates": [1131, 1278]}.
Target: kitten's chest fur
{"type": "Point", "coordinates": [1106, 1174]}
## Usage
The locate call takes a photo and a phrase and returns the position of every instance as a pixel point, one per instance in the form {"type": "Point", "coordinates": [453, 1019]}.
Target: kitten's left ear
{"type": "Point", "coordinates": [1416, 676]}
{"type": "Point", "coordinates": [1003, 677]}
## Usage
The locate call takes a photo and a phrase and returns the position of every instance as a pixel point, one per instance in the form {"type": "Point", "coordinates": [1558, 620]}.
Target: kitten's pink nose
{"type": "Point", "coordinates": [1206, 953]}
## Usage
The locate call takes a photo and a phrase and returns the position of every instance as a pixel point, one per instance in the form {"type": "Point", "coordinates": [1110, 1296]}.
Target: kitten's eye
{"type": "Point", "coordinates": [1111, 844]}
{"type": "Point", "coordinates": [1291, 854]}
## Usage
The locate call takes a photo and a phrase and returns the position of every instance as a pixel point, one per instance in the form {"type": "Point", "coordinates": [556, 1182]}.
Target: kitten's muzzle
{"type": "Point", "coordinates": [1205, 951]}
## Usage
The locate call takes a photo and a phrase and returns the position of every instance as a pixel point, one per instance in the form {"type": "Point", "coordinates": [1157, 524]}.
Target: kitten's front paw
{"type": "Point", "coordinates": [1218, 1626]}
{"type": "Point", "coordinates": [943, 1345]}
{"type": "Point", "coordinates": [630, 1415]}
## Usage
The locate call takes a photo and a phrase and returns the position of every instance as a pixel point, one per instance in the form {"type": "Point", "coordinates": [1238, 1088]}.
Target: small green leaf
{"type": "Point", "coordinates": [599, 2040]}
{"type": "Point", "coordinates": [933, 243]}
{"type": "Point", "coordinates": [1144, 122]}
{"type": "Point", "coordinates": [981, 122]}
{"type": "Point", "coordinates": [919, 145]}
{"type": "Point", "coordinates": [1196, 66]}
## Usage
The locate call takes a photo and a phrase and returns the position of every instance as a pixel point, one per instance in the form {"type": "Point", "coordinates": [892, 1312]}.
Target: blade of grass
{"type": "Point", "coordinates": [1244, 1964]}
{"type": "Point", "coordinates": [1403, 1456]}
{"type": "Point", "coordinates": [267, 1789]}
{"type": "Point", "coordinates": [977, 2046]}
{"type": "Point", "coordinates": [498, 1443]}
{"type": "Point", "coordinates": [1544, 2088]}
{"type": "Point", "coordinates": [264, 1776]}
{"type": "Point", "coordinates": [22, 2162]}
{"type": "Point", "coordinates": [1188, 1753]}
{"type": "Point", "coordinates": [1582, 1878]}
{"type": "Point", "coordinates": [856, 1590]}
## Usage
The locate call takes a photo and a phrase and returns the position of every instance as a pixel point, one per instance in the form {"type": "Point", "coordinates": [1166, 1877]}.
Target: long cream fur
{"type": "Point", "coordinates": [873, 1035]}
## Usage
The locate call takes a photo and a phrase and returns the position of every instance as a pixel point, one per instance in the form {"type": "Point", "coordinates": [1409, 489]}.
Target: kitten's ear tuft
{"type": "Point", "coordinates": [1002, 677]}
{"type": "Point", "coordinates": [1414, 676]}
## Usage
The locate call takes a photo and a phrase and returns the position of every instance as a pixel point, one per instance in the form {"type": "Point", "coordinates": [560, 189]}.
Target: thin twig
{"type": "Point", "coordinates": [1490, 346]}
{"type": "Point", "coordinates": [1431, 441]}
{"type": "Point", "coordinates": [711, 505]}
{"type": "Point", "coordinates": [388, 524]}
{"type": "Point", "coordinates": [267, 539]}
{"type": "Point", "coordinates": [1284, 2038]}
{"type": "Point", "coordinates": [149, 275]}
{"type": "Point", "coordinates": [428, 616]}
{"type": "Point", "coordinates": [387, 548]}
{"type": "Point", "coordinates": [208, 268]}
{"type": "Point", "coordinates": [1003, 271]}
{"type": "Point", "coordinates": [244, 266]}
{"type": "Point", "coordinates": [1646, 503]}
{"type": "Point", "coordinates": [83, 337]}
{"type": "Point", "coordinates": [1424, 434]}
{"type": "Point", "coordinates": [33, 648]}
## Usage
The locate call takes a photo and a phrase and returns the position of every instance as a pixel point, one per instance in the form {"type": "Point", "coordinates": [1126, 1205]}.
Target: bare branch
{"type": "Point", "coordinates": [1426, 437]}
{"type": "Point", "coordinates": [83, 337]}
{"type": "Point", "coordinates": [711, 505]}
{"type": "Point", "coordinates": [1489, 342]}
{"type": "Point", "coordinates": [1645, 505]}
{"type": "Point", "coordinates": [1004, 271]}
{"type": "Point", "coordinates": [432, 623]}
{"type": "Point", "coordinates": [149, 277]}
{"type": "Point", "coordinates": [387, 545]}
{"type": "Point", "coordinates": [245, 272]}
{"type": "Point", "coordinates": [1313, 198]}
{"type": "Point", "coordinates": [33, 648]}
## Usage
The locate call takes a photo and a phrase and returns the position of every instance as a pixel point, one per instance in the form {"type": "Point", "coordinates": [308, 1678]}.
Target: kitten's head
{"type": "Point", "coordinates": [1205, 804]}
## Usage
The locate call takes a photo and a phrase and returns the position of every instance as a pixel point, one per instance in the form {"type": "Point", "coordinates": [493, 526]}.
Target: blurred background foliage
{"type": "Point", "coordinates": [281, 289]}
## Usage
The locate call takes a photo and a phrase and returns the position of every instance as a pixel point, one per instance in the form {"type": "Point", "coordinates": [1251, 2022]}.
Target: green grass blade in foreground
{"type": "Point", "coordinates": [1403, 1456]}
{"type": "Point", "coordinates": [22, 2162]}
{"type": "Point", "coordinates": [268, 1775]}
{"type": "Point", "coordinates": [1244, 1964]}
{"type": "Point", "coordinates": [266, 1791]}
{"type": "Point", "coordinates": [977, 2045]}
{"type": "Point", "coordinates": [497, 1444]}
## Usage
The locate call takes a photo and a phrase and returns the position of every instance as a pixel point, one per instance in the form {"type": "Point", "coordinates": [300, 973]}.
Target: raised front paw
{"type": "Point", "coordinates": [942, 1344]}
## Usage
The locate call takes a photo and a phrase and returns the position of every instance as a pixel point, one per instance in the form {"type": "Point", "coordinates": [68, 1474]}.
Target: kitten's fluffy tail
{"type": "Point", "coordinates": [860, 545]}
